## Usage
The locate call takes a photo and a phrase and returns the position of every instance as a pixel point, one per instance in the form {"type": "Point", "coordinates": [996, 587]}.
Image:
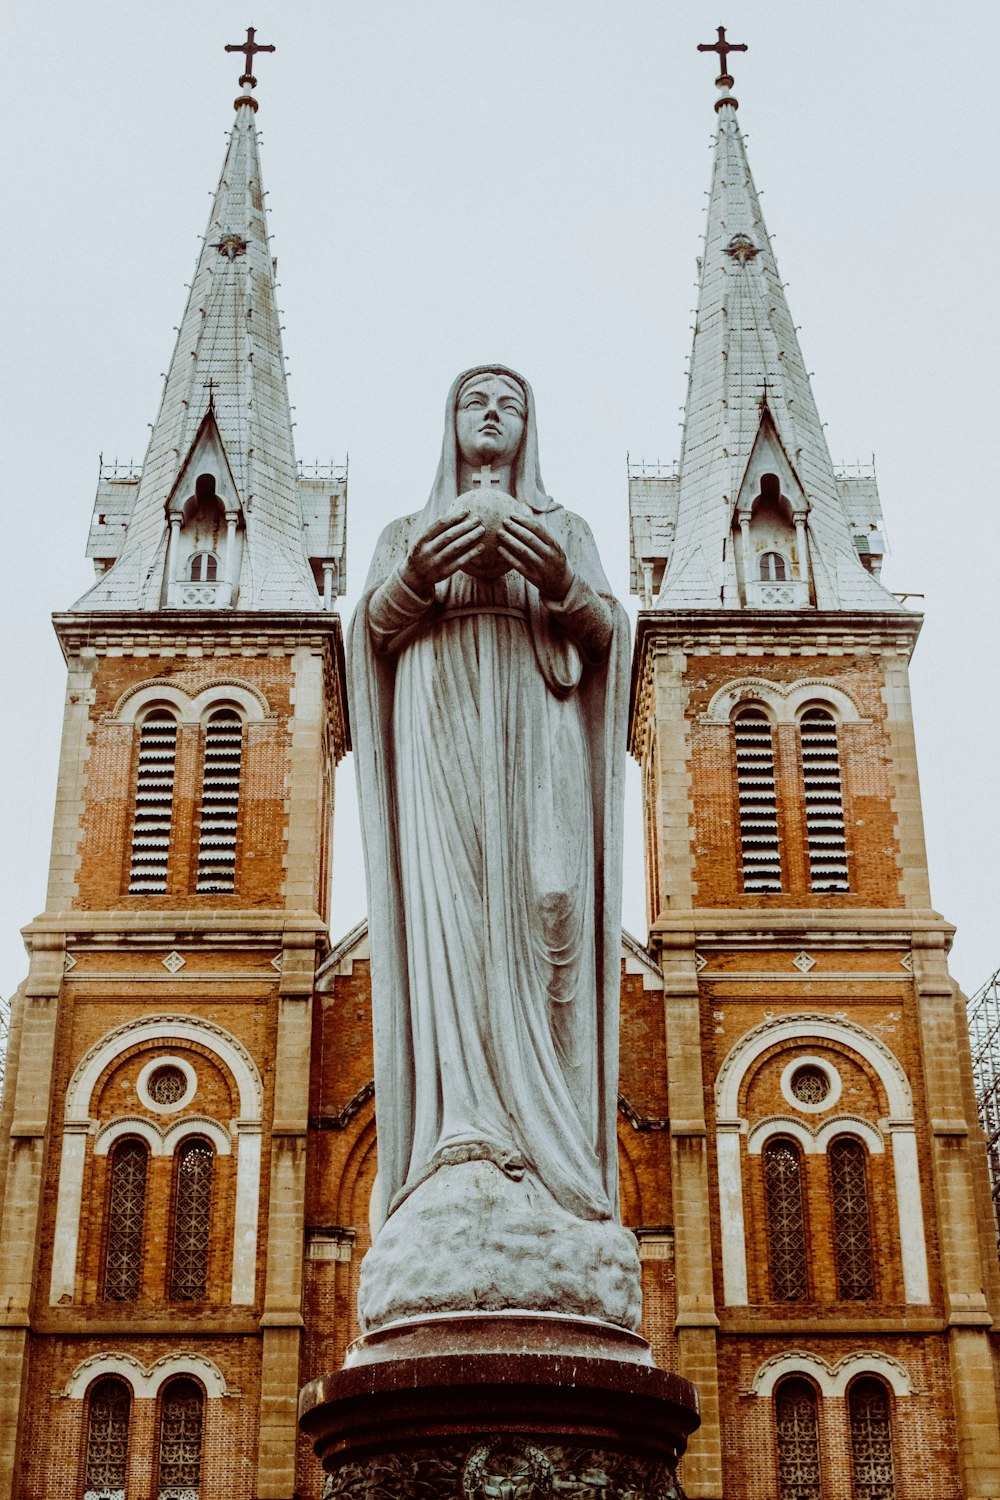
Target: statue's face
{"type": "Point", "coordinates": [490, 420]}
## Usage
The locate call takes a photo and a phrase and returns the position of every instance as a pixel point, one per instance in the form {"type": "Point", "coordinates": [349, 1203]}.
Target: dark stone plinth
{"type": "Point", "coordinates": [511, 1407]}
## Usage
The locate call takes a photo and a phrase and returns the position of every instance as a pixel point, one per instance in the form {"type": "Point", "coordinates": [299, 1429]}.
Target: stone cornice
{"type": "Point", "coordinates": [162, 929]}
{"type": "Point", "coordinates": [812, 927]}
{"type": "Point", "coordinates": [236, 633]}
{"type": "Point", "coordinates": [758, 634]}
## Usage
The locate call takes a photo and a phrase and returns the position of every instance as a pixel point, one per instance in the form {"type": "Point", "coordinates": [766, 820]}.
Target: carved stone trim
{"type": "Point", "coordinates": [503, 1468]}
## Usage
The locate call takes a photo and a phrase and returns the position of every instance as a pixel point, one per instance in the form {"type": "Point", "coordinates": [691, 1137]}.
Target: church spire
{"type": "Point", "coordinates": [758, 501]}
{"type": "Point", "coordinates": [216, 518]}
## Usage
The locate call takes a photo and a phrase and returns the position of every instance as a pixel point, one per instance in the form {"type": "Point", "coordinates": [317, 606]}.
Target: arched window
{"type": "Point", "coordinates": [871, 1440]}
{"type": "Point", "coordinates": [786, 1231]}
{"type": "Point", "coordinates": [758, 801]}
{"type": "Point", "coordinates": [182, 1418]}
{"type": "Point", "coordinates": [824, 801]}
{"type": "Point", "coordinates": [192, 1215]}
{"type": "Point", "coordinates": [204, 567]}
{"type": "Point", "coordinates": [773, 568]}
{"type": "Point", "coordinates": [106, 1462]}
{"type": "Point", "coordinates": [797, 1430]}
{"type": "Point", "coordinates": [126, 1213]}
{"type": "Point", "coordinates": [220, 802]}
{"type": "Point", "coordinates": [154, 803]}
{"type": "Point", "coordinates": [852, 1245]}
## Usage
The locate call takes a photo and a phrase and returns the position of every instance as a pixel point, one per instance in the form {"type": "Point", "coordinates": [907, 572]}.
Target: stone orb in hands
{"type": "Point", "coordinates": [492, 508]}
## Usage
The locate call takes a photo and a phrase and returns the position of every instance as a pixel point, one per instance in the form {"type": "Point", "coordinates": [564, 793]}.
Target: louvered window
{"type": "Point", "coordinates": [220, 798]}
{"type": "Point", "coordinates": [154, 803]}
{"type": "Point", "coordinates": [871, 1441]}
{"type": "Point", "coordinates": [758, 802]}
{"type": "Point", "coordinates": [773, 568]}
{"type": "Point", "coordinates": [824, 801]}
{"type": "Point", "coordinates": [182, 1417]}
{"type": "Point", "coordinates": [126, 1214]}
{"type": "Point", "coordinates": [192, 1214]}
{"type": "Point", "coordinates": [786, 1233]}
{"type": "Point", "coordinates": [797, 1428]}
{"type": "Point", "coordinates": [852, 1243]}
{"type": "Point", "coordinates": [105, 1466]}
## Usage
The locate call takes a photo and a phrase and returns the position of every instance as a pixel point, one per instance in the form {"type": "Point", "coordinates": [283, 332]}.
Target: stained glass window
{"type": "Point", "coordinates": [182, 1417]}
{"type": "Point", "coordinates": [785, 1221]}
{"type": "Point", "coordinates": [106, 1462]}
{"type": "Point", "coordinates": [797, 1429]}
{"type": "Point", "coordinates": [852, 1245]}
{"type": "Point", "coordinates": [871, 1440]}
{"type": "Point", "coordinates": [192, 1214]}
{"type": "Point", "coordinates": [126, 1212]}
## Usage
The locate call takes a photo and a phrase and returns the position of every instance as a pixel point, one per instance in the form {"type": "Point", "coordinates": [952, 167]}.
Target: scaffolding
{"type": "Point", "coordinates": [984, 1035]}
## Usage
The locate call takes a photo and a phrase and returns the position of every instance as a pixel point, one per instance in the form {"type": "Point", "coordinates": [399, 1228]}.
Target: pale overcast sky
{"type": "Point", "coordinates": [452, 181]}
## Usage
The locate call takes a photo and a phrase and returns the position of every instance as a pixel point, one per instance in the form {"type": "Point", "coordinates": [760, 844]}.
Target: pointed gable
{"type": "Point", "coordinates": [749, 395]}
{"type": "Point", "coordinates": [227, 364]}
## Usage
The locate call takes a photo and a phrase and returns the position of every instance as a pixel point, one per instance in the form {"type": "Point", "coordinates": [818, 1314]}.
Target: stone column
{"type": "Point", "coordinates": [25, 1182]}
{"type": "Point", "coordinates": [282, 1321]}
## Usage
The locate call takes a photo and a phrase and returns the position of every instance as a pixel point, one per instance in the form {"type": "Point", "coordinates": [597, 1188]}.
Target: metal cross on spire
{"type": "Point", "coordinates": [249, 48]}
{"type": "Point", "coordinates": [723, 48]}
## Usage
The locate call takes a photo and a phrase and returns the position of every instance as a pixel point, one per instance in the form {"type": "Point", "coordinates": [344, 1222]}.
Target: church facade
{"type": "Point", "coordinates": [188, 1132]}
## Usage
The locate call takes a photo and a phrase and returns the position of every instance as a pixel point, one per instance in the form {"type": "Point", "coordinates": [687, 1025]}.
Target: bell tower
{"type": "Point", "coordinates": [835, 1269]}
{"type": "Point", "coordinates": [153, 1134]}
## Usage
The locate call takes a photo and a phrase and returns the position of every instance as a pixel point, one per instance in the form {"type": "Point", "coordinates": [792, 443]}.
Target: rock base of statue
{"type": "Point", "coordinates": [502, 1242]}
{"type": "Point", "coordinates": [518, 1406]}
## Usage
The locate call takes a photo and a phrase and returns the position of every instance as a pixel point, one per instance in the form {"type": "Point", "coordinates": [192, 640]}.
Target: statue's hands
{"type": "Point", "coordinates": [535, 553]}
{"type": "Point", "coordinates": [445, 546]}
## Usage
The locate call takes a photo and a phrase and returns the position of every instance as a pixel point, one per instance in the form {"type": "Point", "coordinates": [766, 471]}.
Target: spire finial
{"type": "Point", "coordinates": [249, 48]}
{"type": "Point", "coordinates": [723, 48]}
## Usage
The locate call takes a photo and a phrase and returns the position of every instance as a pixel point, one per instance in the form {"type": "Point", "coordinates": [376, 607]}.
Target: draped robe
{"type": "Point", "coordinates": [488, 729]}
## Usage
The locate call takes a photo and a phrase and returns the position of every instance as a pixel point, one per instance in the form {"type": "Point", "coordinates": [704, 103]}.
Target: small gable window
{"type": "Point", "coordinates": [773, 568]}
{"type": "Point", "coordinates": [204, 567]}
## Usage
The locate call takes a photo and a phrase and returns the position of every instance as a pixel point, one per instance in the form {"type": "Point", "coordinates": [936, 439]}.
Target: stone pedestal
{"type": "Point", "coordinates": [502, 1406]}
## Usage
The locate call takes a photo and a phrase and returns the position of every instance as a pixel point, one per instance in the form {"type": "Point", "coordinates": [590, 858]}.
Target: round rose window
{"type": "Point", "coordinates": [167, 1084]}
{"type": "Point", "coordinates": [810, 1085]}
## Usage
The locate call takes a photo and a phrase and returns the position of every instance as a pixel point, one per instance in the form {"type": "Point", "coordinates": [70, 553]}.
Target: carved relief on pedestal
{"type": "Point", "coordinates": [505, 1468]}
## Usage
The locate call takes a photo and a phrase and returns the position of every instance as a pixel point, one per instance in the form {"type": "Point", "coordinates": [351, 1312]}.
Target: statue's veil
{"type": "Point", "coordinates": [527, 479]}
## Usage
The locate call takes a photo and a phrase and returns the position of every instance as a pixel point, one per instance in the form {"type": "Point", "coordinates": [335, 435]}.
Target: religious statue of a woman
{"type": "Point", "coordinates": [488, 683]}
